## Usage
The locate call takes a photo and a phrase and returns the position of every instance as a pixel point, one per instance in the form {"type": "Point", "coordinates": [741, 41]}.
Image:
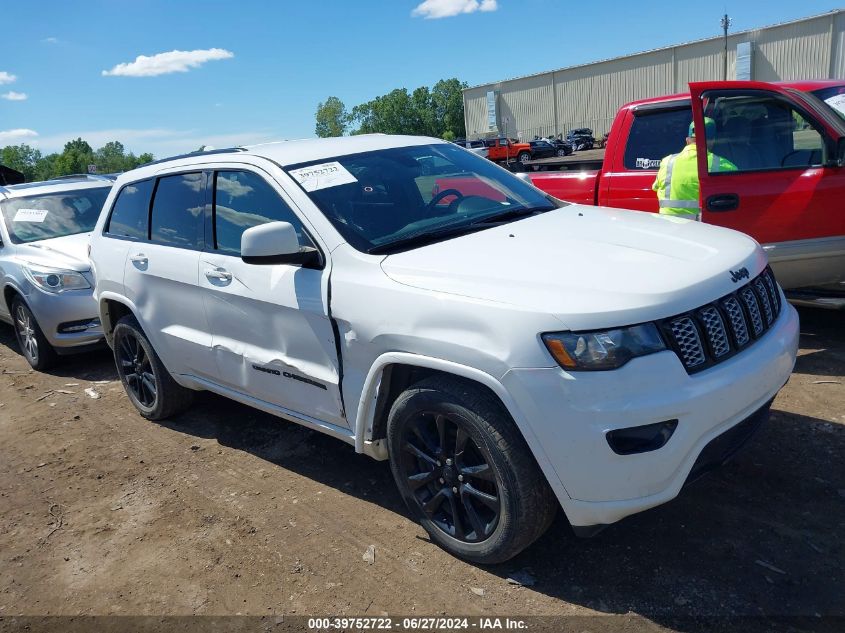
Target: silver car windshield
{"type": "Point", "coordinates": [45, 216]}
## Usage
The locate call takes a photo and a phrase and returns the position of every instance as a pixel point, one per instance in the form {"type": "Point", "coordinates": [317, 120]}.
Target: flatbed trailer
{"type": "Point", "coordinates": [577, 161]}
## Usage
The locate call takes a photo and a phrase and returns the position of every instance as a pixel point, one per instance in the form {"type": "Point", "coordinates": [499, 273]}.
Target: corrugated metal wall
{"type": "Point", "coordinates": [590, 95]}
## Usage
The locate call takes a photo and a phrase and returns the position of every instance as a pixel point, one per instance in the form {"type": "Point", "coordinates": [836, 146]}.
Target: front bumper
{"type": "Point", "coordinates": [66, 309]}
{"type": "Point", "coordinates": [569, 415]}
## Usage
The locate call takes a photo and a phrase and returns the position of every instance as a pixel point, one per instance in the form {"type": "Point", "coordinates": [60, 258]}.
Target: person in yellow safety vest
{"type": "Point", "coordinates": [677, 184]}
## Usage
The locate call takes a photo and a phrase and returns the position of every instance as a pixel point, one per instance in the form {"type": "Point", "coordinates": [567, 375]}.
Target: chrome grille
{"type": "Point", "coordinates": [716, 331]}
{"type": "Point", "coordinates": [737, 320]}
{"type": "Point", "coordinates": [772, 288]}
{"type": "Point", "coordinates": [688, 342]}
{"type": "Point", "coordinates": [764, 299]}
{"type": "Point", "coordinates": [750, 302]}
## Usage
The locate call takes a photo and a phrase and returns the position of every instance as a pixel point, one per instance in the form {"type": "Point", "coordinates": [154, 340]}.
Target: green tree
{"type": "Point", "coordinates": [75, 158]}
{"type": "Point", "coordinates": [438, 111]}
{"type": "Point", "coordinates": [22, 158]}
{"type": "Point", "coordinates": [111, 157]}
{"type": "Point", "coordinates": [332, 118]}
{"type": "Point", "coordinates": [46, 167]}
{"type": "Point", "coordinates": [448, 104]}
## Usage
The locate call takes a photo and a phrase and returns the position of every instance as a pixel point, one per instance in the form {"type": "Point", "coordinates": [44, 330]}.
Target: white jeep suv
{"type": "Point", "coordinates": [506, 351]}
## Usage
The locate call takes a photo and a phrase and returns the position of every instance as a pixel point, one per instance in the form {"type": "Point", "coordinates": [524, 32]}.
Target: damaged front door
{"type": "Point", "coordinates": [272, 337]}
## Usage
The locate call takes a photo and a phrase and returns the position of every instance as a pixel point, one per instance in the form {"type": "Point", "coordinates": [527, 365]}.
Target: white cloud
{"type": "Point", "coordinates": [51, 40]}
{"type": "Point", "coordinates": [170, 62]}
{"type": "Point", "coordinates": [19, 135]}
{"type": "Point", "coordinates": [433, 9]}
{"type": "Point", "coordinates": [14, 96]}
{"type": "Point", "coordinates": [6, 78]}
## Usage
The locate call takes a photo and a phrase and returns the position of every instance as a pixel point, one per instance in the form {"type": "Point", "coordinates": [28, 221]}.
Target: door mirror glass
{"type": "Point", "coordinates": [275, 243]}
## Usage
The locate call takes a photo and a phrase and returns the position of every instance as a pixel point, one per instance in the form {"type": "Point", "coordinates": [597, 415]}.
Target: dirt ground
{"type": "Point", "coordinates": [226, 510]}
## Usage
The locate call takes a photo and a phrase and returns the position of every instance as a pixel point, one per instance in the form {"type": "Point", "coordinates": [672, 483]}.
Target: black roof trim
{"type": "Point", "coordinates": [228, 150]}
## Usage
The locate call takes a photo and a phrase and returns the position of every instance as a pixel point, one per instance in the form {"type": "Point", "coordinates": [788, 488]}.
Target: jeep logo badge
{"type": "Point", "coordinates": [742, 273]}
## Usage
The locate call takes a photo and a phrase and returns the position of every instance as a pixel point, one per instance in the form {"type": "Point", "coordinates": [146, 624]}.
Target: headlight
{"type": "Point", "coordinates": [53, 279]}
{"type": "Point", "coordinates": [607, 349]}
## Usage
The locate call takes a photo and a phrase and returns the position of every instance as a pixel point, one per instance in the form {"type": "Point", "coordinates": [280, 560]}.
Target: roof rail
{"type": "Point", "coordinates": [72, 176]}
{"type": "Point", "coordinates": [227, 150]}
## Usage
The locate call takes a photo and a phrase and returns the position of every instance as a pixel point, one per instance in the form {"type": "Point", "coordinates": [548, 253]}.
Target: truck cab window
{"type": "Point", "coordinates": [656, 135]}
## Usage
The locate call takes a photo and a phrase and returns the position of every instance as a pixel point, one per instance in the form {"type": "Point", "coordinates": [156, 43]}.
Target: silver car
{"type": "Point", "coordinates": [46, 278]}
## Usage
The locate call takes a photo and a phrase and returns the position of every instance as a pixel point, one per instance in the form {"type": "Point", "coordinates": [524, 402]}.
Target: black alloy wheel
{"type": "Point", "coordinates": [150, 387]}
{"type": "Point", "coordinates": [137, 370]}
{"type": "Point", "coordinates": [451, 477]}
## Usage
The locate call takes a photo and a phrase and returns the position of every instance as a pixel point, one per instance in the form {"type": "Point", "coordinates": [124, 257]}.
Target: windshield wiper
{"type": "Point", "coordinates": [423, 238]}
{"type": "Point", "coordinates": [511, 214]}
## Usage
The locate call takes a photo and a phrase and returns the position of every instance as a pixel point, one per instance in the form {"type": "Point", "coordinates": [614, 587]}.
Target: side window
{"type": "Point", "coordinates": [655, 135]}
{"type": "Point", "coordinates": [243, 200]}
{"type": "Point", "coordinates": [761, 133]}
{"type": "Point", "coordinates": [177, 216]}
{"type": "Point", "coordinates": [131, 211]}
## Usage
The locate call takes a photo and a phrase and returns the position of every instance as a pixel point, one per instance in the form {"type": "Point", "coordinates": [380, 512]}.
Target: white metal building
{"type": "Point", "coordinates": [589, 95]}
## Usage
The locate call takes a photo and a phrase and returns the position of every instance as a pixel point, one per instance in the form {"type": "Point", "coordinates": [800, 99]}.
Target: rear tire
{"type": "Point", "coordinates": [149, 385]}
{"type": "Point", "coordinates": [465, 472]}
{"type": "Point", "coordinates": [33, 344]}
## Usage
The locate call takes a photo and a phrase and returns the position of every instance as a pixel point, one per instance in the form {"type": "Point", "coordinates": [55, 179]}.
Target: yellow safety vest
{"type": "Point", "coordinates": [677, 183]}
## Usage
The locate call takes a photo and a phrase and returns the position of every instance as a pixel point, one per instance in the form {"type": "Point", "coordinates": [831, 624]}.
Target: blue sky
{"type": "Point", "coordinates": [257, 70]}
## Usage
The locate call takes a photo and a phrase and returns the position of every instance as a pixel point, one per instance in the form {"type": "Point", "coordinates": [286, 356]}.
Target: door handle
{"type": "Point", "coordinates": [723, 202]}
{"type": "Point", "coordinates": [140, 260]}
{"type": "Point", "coordinates": [219, 275]}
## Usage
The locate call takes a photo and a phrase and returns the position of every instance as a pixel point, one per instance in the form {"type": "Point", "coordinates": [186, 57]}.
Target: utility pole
{"type": "Point", "coordinates": [726, 23]}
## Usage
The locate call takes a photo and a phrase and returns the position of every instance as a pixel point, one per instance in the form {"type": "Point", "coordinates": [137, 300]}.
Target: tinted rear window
{"type": "Point", "coordinates": [656, 135]}
{"type": "Point", "coordinates": [177, 215]}
{"type": "Point", "coordinates": [131, 211]}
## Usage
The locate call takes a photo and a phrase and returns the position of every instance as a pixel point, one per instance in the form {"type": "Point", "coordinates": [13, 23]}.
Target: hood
{"type": "Point", "coordinates": [591, 267]}
{"type": "Point", "coordinates": [69, 252]}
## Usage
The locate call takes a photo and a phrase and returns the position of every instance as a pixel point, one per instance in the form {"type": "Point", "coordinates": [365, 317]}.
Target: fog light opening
{"type": "Point", "coordinates": [641, 439]}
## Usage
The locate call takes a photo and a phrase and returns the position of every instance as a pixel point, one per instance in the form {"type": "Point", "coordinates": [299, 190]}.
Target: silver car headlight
{"type": "Point", "coordinates": [54, 280]}
{"type": "Point", "coordinates": [605, 349]}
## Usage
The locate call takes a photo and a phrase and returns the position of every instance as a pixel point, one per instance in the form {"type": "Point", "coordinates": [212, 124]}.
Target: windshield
{"type": "Point", "coordinates": [378, 198]}
{"type": "Point", "coordinates": [53, 215]}
{"type": "Point", "coordinates": [834, 97]}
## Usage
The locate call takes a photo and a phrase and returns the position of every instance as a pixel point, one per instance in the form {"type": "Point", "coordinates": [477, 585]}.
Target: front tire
{"type": "Point", "coordinates": [523, 157]}
{"type": "Point", "coordinates": [149, 385]}
{"type": "Point", "coordinates": [33, 344]}
{"type": "Point", "coordinates": [465, 472]}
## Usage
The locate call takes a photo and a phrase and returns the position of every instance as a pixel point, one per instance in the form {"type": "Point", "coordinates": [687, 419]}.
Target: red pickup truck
{"type": "Point", "coordinates": [788, 143]}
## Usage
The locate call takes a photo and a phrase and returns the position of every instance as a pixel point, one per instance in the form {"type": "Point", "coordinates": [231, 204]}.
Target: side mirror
{"type": "Point", "coordinates": [276, 243]}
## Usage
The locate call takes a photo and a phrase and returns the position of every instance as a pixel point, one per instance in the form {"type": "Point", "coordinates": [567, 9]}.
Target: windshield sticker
{"type": "Point", "coordinates": [322, 176]}
{"type": "Point", "coordinates": [30, 215]}
{"type": "Point", "coordinates": [837, 102]}
{"type": "Point", "coordinates": [648, 163]}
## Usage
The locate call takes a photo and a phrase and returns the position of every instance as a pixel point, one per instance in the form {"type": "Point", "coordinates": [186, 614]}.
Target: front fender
{"type": "Point", "coordinates": [369, 395]}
